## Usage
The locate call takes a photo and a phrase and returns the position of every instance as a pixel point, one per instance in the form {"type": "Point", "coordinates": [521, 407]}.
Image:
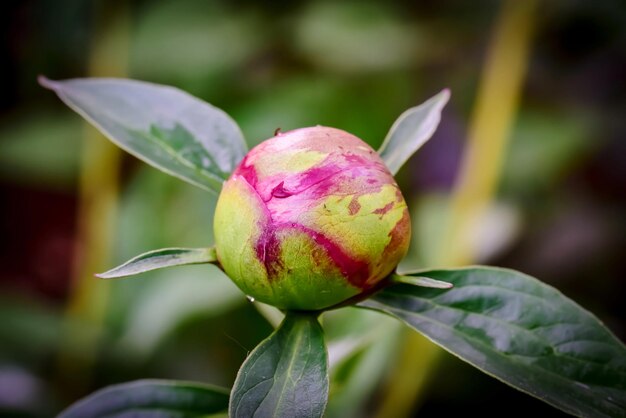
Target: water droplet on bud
{"type": "Point", "coordinates": [250, 298]}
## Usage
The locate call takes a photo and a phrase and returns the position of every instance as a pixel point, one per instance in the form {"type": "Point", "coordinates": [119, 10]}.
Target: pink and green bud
{"type": "Point", "coordinates": [310, 218]}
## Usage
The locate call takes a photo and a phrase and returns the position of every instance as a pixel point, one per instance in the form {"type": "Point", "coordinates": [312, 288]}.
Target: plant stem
{"type": "Point", "coordinates": [490, 124]}
{"type": "Point", "coordinates": [98, 195]}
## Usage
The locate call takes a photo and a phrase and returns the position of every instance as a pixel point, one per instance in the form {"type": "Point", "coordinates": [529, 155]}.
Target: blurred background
{"type": "Point", "coordinates": [527, 170]}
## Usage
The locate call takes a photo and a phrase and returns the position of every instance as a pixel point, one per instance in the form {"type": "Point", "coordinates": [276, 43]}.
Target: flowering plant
{"type": "Point", "coordinates": [312, 220]}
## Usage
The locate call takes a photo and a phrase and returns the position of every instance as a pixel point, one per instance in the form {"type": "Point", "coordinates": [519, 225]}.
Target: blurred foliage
{"type": "Point", "coordinates": [352, 65]}
{"type": "Point", "coordinates": [25, 151]}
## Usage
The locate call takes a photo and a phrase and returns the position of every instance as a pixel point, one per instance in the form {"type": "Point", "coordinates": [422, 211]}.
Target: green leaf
{"type": "Point", "coordinates": [411, 130]}
{"type": "Point", "coordinates": [158, 259]}
{"type": "Point", "coordinates": [151, 398]}
{"type": "Point", "coordinates": [419, 280]}
{"type": "Point", "coordinates": [521, 331]}
{"type": "Point", "coordinates": [286, 375]}
{"type": "Point", "coordinates": [163, 126]}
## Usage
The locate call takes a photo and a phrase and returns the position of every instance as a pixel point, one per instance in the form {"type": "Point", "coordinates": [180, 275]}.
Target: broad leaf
{"type": "Point", "coordinates": [163, 126]}
{"type": "Point", "coordinates": [158, 259]}
{"type": "Point", "coordinates": [411, 130]}
{"type": "Point", "coordinates": [286, 375]}
{"type": "Point", "coordinates": [151, 398]}
{"type": "Point", "coordinates": [521, 331]}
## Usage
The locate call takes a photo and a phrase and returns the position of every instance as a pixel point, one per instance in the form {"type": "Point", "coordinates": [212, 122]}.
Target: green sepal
{"type": "Point", "coordinates": [158, 259]}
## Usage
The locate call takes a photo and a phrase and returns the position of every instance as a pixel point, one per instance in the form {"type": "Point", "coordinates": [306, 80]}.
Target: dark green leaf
{"type": "Point", "coordinates": [151, 398]}
{"type": "Point", "coordinates": [286, 375]}
{"type": "Point", "coordinates": [521, 331]}
{"type": "Point", "coordinates": [411, 130]}
{"type": "Point", "coordinates": [158, 259]}
{"type": "Point", "coordinates": [165, 127]}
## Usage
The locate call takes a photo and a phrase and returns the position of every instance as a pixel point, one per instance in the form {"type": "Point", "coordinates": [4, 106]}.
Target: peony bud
{"type": "Point", "coordinates": [310, 218]}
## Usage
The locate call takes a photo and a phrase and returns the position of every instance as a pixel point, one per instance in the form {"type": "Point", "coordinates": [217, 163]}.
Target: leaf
{"type": "Point", "coordinates": [521, 331]}
{"type": "Point", "coordinates": [411, 130]}
{"type": "Point", "coordinates": [163, 126]}
{"type": "Point", "coordinates": [286, 375]}
{"type": "Point", "coordinates": [151, 398]}
{"type": "Point", "coordinates": [158, 259]}
{"type": "Point", "coordinates": [420, 281]}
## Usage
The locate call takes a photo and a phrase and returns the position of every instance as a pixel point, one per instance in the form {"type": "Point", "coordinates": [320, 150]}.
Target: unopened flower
{"type": "Point", "coordinates": [310, 218]}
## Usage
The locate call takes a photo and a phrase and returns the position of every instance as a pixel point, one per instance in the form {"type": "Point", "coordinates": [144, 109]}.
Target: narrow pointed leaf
{"type": "Point", "coordinates": [286, 375]}
{"type": "Point", "coordinates": [411, 130]}
{"type": "Point", "coordinates": [521, 331]}
{"type": "Point", "coordinates": [151, 398]}
{"type": "Point", "coordinates": [420, 281]}
{"type": "Point", "coordinates": [158, 259]}
{"type": "Point", "coordinates": [163, 126]}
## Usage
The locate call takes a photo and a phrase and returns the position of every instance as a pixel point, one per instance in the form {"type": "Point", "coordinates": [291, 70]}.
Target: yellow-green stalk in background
{"type": "Point", "coordinates": [98, 197]}
{"type": "Point", "coordinates": [488, 133]}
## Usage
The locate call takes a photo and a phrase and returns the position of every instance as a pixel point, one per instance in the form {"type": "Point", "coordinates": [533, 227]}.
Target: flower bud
{"type": "Point", "coordinates": [310, 218]}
